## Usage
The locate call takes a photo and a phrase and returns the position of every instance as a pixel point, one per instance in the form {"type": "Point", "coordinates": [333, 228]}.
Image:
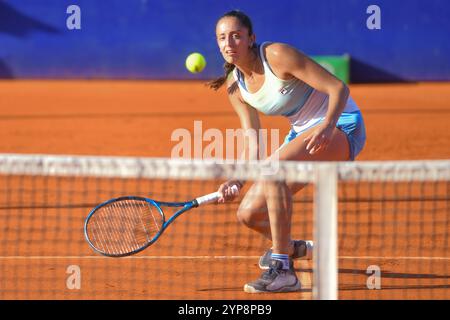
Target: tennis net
{"type": "Point", "coordinates": [380, 229]}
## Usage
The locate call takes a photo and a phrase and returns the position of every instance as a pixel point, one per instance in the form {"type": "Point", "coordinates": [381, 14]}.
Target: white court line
{"type": "Point", "coordinates": [205, 257]}
{"type": "Point", "coordinates": [130, 257]}
{"type": "Point", "coordinates": [394, 258]}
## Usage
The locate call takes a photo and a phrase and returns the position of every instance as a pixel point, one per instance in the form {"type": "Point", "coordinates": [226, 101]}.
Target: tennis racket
{"type": "Point", "coordinates": [127, 225]}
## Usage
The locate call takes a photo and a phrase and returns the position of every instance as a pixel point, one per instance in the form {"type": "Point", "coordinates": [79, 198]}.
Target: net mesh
{"type": "Point", "coordinates": [393, 228]}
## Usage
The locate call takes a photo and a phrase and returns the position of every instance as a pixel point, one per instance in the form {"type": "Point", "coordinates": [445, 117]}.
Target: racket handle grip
{"type": "Point", "coordinates": [212, 197]}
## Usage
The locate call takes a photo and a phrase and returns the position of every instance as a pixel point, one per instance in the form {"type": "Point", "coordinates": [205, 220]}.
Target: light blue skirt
{"type": "Point", "coordinates": [352, 124]}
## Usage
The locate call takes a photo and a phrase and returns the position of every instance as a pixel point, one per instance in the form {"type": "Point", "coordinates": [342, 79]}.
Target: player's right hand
{"type": "Point", "coordinates": [228, 191]}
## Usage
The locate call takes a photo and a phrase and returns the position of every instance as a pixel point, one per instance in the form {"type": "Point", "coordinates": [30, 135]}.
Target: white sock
{"type": "Point", "coordinates": [284, 258]}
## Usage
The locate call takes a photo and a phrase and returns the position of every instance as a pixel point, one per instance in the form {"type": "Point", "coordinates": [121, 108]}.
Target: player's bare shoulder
{"type": "Point", "coordinates": [281, 57]}
{"type": "Point", "coordinates": [278, 51]}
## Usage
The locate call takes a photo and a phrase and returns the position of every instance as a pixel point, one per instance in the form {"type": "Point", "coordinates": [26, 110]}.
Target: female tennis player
{"type": "Point", "coordinates": [326, 125]}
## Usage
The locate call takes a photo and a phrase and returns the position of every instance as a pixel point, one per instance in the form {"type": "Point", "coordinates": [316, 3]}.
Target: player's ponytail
{"type": "Point", "coordinates": [217, 83]}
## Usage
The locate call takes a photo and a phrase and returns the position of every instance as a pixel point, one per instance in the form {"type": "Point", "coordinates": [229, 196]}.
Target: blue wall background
{"type": "Point", "coordinates": [150, 39]}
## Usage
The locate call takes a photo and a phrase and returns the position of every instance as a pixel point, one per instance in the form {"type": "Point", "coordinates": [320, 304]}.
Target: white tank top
{"type": "Point", "coordinates": [293, 98]}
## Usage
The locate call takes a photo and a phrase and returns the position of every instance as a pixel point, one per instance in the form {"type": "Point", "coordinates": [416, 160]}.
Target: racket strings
{"type": "Point", "coordinates": [124, 226]}
{"type": "Point", "coordinates": [149, 226]}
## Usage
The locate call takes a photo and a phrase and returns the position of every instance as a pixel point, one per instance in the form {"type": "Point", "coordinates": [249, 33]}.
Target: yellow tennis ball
{"type": "Point", "coordinates": [195, 62]}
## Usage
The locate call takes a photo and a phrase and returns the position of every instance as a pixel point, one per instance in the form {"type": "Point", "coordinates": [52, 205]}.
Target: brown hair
{"type": "Point", "coordinates": [229, 67]}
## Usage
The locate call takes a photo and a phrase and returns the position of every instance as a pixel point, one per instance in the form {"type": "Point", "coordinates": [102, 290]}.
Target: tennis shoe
{"type": "Point", "coordinates": [276, 279]}
{"type": "Point", "coordinates": [303, 250]}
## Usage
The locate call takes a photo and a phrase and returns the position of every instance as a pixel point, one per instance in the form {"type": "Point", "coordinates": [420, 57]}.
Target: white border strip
{"type": "Point", "coordinates": [140, 167]}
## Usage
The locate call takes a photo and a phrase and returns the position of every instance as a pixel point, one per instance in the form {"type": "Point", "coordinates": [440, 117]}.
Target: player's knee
{"type": "Point", "coordinates": [243, 216]}
{"type": "Point", "coordinates": [246, 216]}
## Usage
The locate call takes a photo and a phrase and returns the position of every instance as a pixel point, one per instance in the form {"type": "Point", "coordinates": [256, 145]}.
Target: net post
{"type": "Point", "coordinates": [325, 285]}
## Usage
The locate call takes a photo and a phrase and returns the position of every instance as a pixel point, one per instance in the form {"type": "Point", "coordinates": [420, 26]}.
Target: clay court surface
{"type": "Point", "coordinates": [120, 118]}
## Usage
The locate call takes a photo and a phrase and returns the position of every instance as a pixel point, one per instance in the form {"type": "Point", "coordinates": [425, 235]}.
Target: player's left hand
{"type": "Point", "coordinates": [319, 139]}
